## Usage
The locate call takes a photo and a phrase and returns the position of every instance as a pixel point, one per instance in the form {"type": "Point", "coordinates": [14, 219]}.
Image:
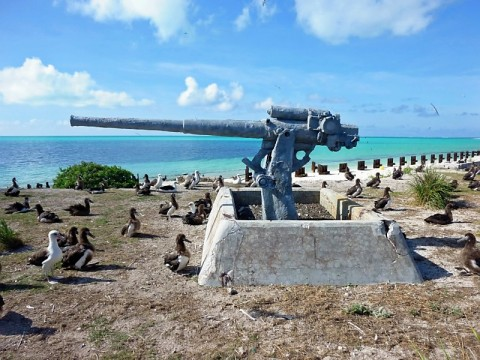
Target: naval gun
{"type": "Point", "coordinates": [286, 133]}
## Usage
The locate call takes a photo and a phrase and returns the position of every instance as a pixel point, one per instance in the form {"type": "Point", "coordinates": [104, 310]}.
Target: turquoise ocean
{"type": "Point", "coordinates": [39, 159]}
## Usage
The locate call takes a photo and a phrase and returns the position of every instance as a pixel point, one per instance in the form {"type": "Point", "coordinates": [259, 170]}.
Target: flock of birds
{"type": "Point", "coordinates": [74, 250]}
{"type": "Point", "coordinates": [470, 255]}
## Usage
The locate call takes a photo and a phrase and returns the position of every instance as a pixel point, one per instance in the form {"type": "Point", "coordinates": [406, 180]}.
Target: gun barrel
{"type": "Point", "coordinates": [233, 128]}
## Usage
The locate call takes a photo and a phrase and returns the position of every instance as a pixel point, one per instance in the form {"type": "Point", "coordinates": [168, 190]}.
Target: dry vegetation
{"type": "Point", "coordinates": [128, 305]}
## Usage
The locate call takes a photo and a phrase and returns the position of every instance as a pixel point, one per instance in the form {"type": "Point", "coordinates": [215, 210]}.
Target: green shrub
{"type": "Point", "coordinates": [407, 170]}
{"type": "Point", "coordinates": [9, 240]}
{"type": "Point", "coordinates": [93, 174]}
{"type": "Point", "coordinates": [431, 188]}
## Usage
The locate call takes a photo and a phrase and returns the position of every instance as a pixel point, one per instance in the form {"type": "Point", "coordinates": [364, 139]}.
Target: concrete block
{"type": "Point", "coordinates": [365, 251]}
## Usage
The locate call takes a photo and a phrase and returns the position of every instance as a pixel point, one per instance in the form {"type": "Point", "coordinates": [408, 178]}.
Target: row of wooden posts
{"type": "Point", "coordinates": [342, 167]}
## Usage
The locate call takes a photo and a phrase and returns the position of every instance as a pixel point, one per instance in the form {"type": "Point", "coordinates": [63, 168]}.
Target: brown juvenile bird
{"type": "Point", "coordinates": [132, 226]}
{"type": "Point", "coordinates": [179, 259]}
{"type": "Point", "coordinates": [169, 208]}
{"type": "Point", "coordinates": [80, 209]}
{"type": "Point", "coordinates": [442, 219]}
{"type": "Point", "coordinates": [80, 254]}
{"type": "Point", "coordinates": [348, 174]}
{"type": "Point", "coordinates": [375, 182]}
{"type": "Point", "coordinates": [470, 255]}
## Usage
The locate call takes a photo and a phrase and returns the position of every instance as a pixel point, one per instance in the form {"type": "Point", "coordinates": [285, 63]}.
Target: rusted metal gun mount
{"type": "Point", "coordinates": [286, 133]}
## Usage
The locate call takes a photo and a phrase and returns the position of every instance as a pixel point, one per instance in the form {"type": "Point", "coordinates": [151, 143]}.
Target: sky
{"type": "Point", "coordinates": [393, 68]}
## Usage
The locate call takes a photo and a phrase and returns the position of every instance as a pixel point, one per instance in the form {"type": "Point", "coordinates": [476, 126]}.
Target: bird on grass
{"type": "Point", "coordinates": [470, 254]}
{"type": "Point", "coordinates": [44, 216]}
{"type": "Point", "coordinates": [442, 219]}
{"type": "Point", "coordinates": [375, 182]}
{"type": "Point", "coordinates": [80, 209]}
{"type": "Point", "coordinates": [18, 207]}
{"type": "Point", "coordinates": [64, 243]}
{"type": "Point", "coordinates": [196, 215]}
{"type": "Point", "coordinates": [385, 202]}
{"type": "Point", "coordinates": [169, 207]}
{"type": "Point", "coordinates": [54, 255]}
{"type": "Point", "coordinates": [355, 190]}
{"type": "Point", "coordinates": [14, 189]}
{"type": "Point", "coordinates": [206, 201]}
{"type": "Point", "coordinates": [97, 190]}
{"type": "Point", "coordinates": [474, 185]}
{"type": "Point", "coordinates": [453, 184]}
{"type": "Point", "coordinates": [179, 259]}
{"type": "Point", "coordinates": [81, 254]}
{"type": "Point", "coordinates": [132, 226]}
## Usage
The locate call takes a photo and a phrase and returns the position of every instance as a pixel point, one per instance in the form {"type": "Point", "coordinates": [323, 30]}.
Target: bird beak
{"type": "Point", "coordinates": [89, 233]}
{"type": "Point", "coordinates": [187, 240]}
{"type": "Point", "coordinates": [462, 239]}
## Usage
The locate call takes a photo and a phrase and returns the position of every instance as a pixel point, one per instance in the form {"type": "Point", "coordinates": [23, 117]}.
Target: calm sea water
{"type": "Point", "coordinates": [38, 159]}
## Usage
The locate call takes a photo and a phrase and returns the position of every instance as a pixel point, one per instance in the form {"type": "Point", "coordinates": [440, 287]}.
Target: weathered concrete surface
{"type": "Point", "coordinates": [303, 252]}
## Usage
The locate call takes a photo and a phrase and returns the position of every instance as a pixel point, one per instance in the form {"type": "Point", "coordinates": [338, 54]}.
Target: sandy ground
{"type": "Point", "coordinates": [128, 305]}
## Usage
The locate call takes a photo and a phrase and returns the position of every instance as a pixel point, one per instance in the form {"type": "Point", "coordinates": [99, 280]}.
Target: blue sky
{"type": "Point", "coordinates": [384, 65]}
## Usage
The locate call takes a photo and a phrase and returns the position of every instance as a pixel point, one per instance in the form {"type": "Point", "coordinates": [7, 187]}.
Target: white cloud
{"type": "Point", "coordinates": [212, 95]}
{"type": "Point", "coordinates": [336, 21]}
{"type": "Point", "coordinates": [242, 21]}
{"type": "Point", "coordinates": [34, 83]}
{"type": "Point", "coordinates": [169, 17]}
{"type": "Point", "coordinates": [264, 104]}
{"type": "Point", "coordinates": [263, 8]}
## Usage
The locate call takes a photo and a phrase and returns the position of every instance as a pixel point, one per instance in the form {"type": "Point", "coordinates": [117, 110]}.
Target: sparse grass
{"type": "Point", "coordinates": [101, 331]}
{"type": "Point", "coordinates": [9, 240]}
{"type": "Point", "coordinates": [359, 309]}
{"type": "Point", "coordinates": [407, 170]}
{"type": "Point", "coordinates": [430, 188]}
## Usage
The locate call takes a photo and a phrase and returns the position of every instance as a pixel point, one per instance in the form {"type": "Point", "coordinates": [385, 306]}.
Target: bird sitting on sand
{"type": "Point", "coordinates": [146, 182]}
{"type": "Point", "coordinates": [13, 190]}
{"type": "Point", "coordinates": [442, 219]}
{"type": "Point", "coordinates": [453, 184]}
{"type": "Point", "coordinates": [218, 183]}
{"type": "Point", "coordinates": [470, 254]}
{"type": "Point", "coordinates": [141, 192]}
{"type": "Point", "coordinates": [132, 226]}
{"type": "Point", "coordinates": [69, 239]}
{"type": "Point", "coordinates": [158, 182]}
{"type": "Point", "coordinates": [470, 175]}
{"type": "Point", "coordinates": [18, 207]}
{"type": "Point", "coordinates": [54, 254]}
{"type": "Point", "coordinates": [348, 174]}
{"type": "Point", "coordinates": [195, 181]}
{"type": "Point", "coordinates": [324, 184]}
{"type": "Point", "coordinates": [80, 209]}
{"type": "Point", "coordinates": [188, 180]}
{"type": "Point", "coordinates": [397, 173]}
{"type": "Point", "coordinates": [80, 254]}
{"type": "Point", "coordinates": [355, 190]}
{"type": "Point", "coordinates": [421, 167]}
{"type": "Point", "coordinates": [385, 202]}
{"type": "Point", "coordinates": [237, 180]}
{"type": "Point", "coordinates": [195, 217]}
{"type": "Point", "coordinates": [474, 185]}
{"type": "Point", "coordinates": [168, 208]}
{"type": "Point", "coordinates": [178, 260]}
{"type": "Point", "coordinates": [79, 184]}
{"type": "Point", "coordinates": [39, 186]}
{"type": "Point", "coordinates": [44, 216]}
{"type": "Point", "coordinates": [206, 201]}
{"type": "Point", "coordinates": [169, 188]}
{"type": "Point", "coordinates": [374, 182]}
{"type": "Point", "coordinates": [97, 190]}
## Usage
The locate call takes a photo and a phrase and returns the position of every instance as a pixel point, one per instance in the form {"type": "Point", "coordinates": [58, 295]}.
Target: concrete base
{"type": "Point", "coordinates": [366, 250]}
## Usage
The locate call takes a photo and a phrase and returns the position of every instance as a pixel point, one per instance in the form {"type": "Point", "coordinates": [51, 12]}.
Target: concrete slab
{"type": "Point", "coordinates": [367, 250]}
